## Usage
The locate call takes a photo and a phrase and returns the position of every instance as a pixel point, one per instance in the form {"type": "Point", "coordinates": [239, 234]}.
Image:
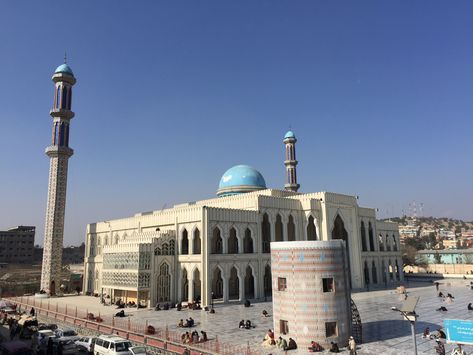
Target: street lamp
{"type": "Point", "coordinates": [408, 312]}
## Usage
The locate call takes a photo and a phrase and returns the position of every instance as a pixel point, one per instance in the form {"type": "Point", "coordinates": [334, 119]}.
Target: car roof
{"type": "Point", "coordinates": [112, 338]}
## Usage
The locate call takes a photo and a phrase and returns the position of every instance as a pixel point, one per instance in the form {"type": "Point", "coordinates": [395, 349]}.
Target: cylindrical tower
{"type": "Point", "coordinates": [290, 162]}
{"type": "Point", "coordinates": [59, 154]}
{"type": "Point", "coordinates": [311, 293]}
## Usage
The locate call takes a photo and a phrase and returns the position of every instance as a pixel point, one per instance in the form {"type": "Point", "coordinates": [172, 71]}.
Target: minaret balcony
{"type": "Point", "coordinates": [55, 151]}
{"type": "Point", "coordinates": [290, 162]}
{"type": "Point", "coordinates": [60, 112]}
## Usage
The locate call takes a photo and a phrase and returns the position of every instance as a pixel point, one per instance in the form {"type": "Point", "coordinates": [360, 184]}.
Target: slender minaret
{"type": "Point", "coordinates": [59, 154]}
{"type": "Point", "coordinates": [290, 162]}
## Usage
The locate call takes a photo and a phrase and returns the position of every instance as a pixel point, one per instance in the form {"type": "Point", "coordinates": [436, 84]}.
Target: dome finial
{"type": "Point", "coordinates": [65, 57]}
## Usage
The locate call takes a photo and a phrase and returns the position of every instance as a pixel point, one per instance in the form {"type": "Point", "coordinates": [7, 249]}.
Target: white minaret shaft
{"type": "Point", "coordinates": [290, 162]}
{"type": "Point", "coordinates": [59, 154]}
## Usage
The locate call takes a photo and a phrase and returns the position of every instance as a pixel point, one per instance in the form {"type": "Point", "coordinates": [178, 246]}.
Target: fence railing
{"type": "Point", "coordinates": [135, 330]}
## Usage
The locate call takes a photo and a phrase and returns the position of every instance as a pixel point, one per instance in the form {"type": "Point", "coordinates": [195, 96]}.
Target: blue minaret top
{"type": "Point", "coordinates": [65, 69]}
{"type": "Point", "coordinates": [289, 134]}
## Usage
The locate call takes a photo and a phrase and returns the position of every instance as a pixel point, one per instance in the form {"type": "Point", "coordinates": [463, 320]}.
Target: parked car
{"type": "Point", "coordinates": [15, 347]}
{"type": "Point", "coordinates": [67, 334]}
{"type": "Point", "coordinates": [65, 347]}
{"type": "Point", "coordinates": [138, 350]}
{"type": "Point", "coordinates": [112, 345]}
{"type": "Point", "coordinates": [48, 333]}
{"type": "Point", "coordinates": [86, 344]}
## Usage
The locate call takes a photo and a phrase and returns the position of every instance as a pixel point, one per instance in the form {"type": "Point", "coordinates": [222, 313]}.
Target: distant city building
{"type": "Point", "coordinates": [311, 295]}
{"type": "Point", "coordinates": [220, 248]}
{"type": "Point", "coordinates": [17, 245]}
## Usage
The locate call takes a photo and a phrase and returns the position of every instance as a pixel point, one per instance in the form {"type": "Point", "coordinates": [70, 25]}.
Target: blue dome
{"type": "Point", "coordinates": [240, 179]}
{"type": "Point", "coordinates": [64, 68]}
{"type": "Point", "coordinates": [290, 134]}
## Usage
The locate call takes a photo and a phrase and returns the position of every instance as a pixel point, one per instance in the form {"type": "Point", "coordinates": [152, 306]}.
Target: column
{"type": "Point", "coordinates": [190, 282]}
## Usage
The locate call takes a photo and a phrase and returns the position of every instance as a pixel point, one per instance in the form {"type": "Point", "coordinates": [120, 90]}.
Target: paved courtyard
{"type": "Point", "coordinates": [383, 329]}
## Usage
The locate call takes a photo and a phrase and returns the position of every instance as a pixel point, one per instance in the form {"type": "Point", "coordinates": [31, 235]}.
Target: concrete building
{"type": "Point", "coordinates": [59, 154]}
{"type": "Point", "coordinates": [220, 247]}
{"type": "Point", "coordinates": [17, 245]}
{"type": "Point", "coordinates": [311, 292]}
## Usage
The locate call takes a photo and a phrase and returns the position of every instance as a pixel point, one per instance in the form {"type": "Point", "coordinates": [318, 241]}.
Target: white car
{"type": "Point", "coordinates": [86, 344]}
{"type": "Point", "coordinates": [67, 334]}
{"type": "Point", "coordinates": [112, 345]}
{"type": "Point", "coordinates": [48, 333]}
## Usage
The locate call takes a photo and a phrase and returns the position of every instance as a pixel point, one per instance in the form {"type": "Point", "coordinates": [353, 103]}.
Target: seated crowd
{"type": "Point", "coordinates": [194, 337]}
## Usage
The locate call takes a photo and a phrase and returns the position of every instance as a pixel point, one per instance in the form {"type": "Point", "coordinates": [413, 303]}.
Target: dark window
{"type": "Point", "coordinates": [331, 329]}
{"type": "Point", "coordinates": [328, 284]}
{"type": "Point", "coordinates": [282, 285]}
{"type": "Point", "coordinates": [283, 326]}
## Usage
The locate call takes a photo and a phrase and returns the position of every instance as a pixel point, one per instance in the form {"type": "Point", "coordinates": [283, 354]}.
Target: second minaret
{"type": "Point", "coordinates": [290, 162]}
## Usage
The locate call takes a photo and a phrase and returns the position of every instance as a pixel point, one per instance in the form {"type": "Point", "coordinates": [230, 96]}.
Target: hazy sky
{"type": "Point", "coordinates": [171, 94]}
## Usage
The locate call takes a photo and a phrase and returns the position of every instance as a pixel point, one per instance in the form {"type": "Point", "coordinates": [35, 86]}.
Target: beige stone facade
{"type": "Point", "coordinates": [221, 246]}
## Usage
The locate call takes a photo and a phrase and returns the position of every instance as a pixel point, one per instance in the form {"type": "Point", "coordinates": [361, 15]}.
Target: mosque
{"type": "Point", "coordinates": [219, 249]}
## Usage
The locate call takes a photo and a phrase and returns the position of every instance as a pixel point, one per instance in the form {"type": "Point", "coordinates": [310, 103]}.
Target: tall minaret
{"type": "Point", "coordinates": [290, 162]}
{"type": "Point", "coordinates": [59, 154]}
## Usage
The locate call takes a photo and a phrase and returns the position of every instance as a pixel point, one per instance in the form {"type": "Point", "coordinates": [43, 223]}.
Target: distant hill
{"type": "Point", "coordinates": [433, 222]}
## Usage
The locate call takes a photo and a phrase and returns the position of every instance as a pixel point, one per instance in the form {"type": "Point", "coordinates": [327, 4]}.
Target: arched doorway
{"type": "Point", "coordinates": [291, 229]}
{"type": "Point", "coordinates": [164, 283]}
{"type": "Point", "coordinates": [196, 242]}
{"type": "Point", "coordinates": [249, 283]}
{"type": "Point", "coordinates": [196, 281]}
{"type": "Point", "coordinates": [184, 286]}
{"type": "Point", "coordinates": [233, 242]}
{"type": "Point", "coordinates": [248, 242]}
{"type": "Point", "coordinates": [311, 230]}
{"type": "Point", "coordinates": [217, 247]}
{"type": "Point", "coordinates": [266, 233]}
{"type": "Point", "coordinates": [371, 237]}
{"type": "Point", "coordinates": [52, 288]}
{"type": "Point", "coordinates": [339, 232]}
{"type": "Point", "coordinates": [363, 236]}
{"type": "Point", "coordinates": [217, 283]}
{"type": "Point", "coordinates": [267, 281]}
{"type": "Point", "coordinates": [367, 274]}
{"type": "Point", "coordinates": [374, 272]}
{"type": "Point", "coordinates": [234, 285]}
{"type": "Point", "coordinates": [184, 243]}
{"type": "Point", "coordinates": [278, 229]}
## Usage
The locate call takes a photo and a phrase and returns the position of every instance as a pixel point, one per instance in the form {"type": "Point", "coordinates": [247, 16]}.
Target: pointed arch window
{"type": "Point", "coordinates": [363, 236]}
{"type": "Point", "coordinates": [248, 242]}
{"type": "Point", "coordinates": [394, 243]}
{"type": "Point", "coordinates": [184, 243]}
{"type": "Point", "coordinates": [311, 230]}
{"type": "Point", "coordinates": [291, 229]}
{"type": "Point", "coordinates": [374, 272]}
{"type": "Point", "coordinates": [278, 229]}
{"type": "Point", "coordinates": [64, 98]}
{"type": "Point", "coordinates": [370, 234]}
{"type": "Point", "coordinates": [217, 247]}
{"type": "Point", "coordinates": [164, 282]}
{"type": "Point", "coordinates": [266, 233]}
{"type": "Point", "coordinates": [196, 242]}
{"type": "Point", "coordinates": [233, 242]}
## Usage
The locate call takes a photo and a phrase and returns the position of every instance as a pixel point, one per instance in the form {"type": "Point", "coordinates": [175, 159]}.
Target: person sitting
{"type": "Point", "coordinates": [247, 303]}
{"type": "Point", "coordinates": [203, 336]}
{"type": "Point", "coordinates": [441, 334]}
{"type": "Point", "coordinates": [426, 333]}
{"type": "Point", "coordinates": [187, 338]}
{"type": "Point", "coordinates": [189, 322]}
{"type": "Point", "coordinates": [291, 345]}
{"type": "Point", "coordinates": [314, 347]}
{"type": "Point", "coordinates": [281, 343]}
{"type": "Point", "coordinates": [158, 307]}
{"type": "Point", "coordinates": [269, 338]}
{"type": "Point", "coordinates": [265, 313]}
{"type": "Point", "coordinates": [179, 306]}
{"type": "Point", "coordinates": [470, 307]}
{"type": "Point", "coordinates": [166, 307]}
{"type": "Point", "coordinates": [195, 337]}
{"type": "Point", "coordinates": [334, 347]}
{"type": "Point", "coordinates": [442, 309]}
{"type": "Point", "coordinates": [32, 312]}
{"type": "Point", "coordinates": [440, 294]}
{"type": "Point", "coordinates": [248, 324]}
{"type": "Point", "coordinates": [440, 348]}
{"type": "Point", "coordinates": [242, 324]}
{"type": "Point", "coordinates": [183, 337]}
{"type": "Point", "coordinates": [450, 295]}
{"type": "Point", "coordinates": [180, 324]}
{"type": "Point", "coordinates": [120, 314]}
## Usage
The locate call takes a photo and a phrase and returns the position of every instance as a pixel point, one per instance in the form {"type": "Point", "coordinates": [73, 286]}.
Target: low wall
{"type": "Point", "coordinates": [462, 269]}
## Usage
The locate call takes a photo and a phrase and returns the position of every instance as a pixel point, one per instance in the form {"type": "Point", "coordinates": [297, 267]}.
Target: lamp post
{"type": "Point", "coordinates": [408, 312]}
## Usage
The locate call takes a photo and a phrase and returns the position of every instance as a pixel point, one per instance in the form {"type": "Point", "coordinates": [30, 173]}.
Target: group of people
{"type": "Point", "coordinates": [194, 337]}
{"type": "Point", "coordinates": [440, 334]}
{"type": "Point", "coordinates": [281, 343]}
{"type": "Point", "coordinates": [166, 307]}
{"type": "Point", "coordinates": [188, 324]}
{"type": "Point", "coordinates": [245, 325]}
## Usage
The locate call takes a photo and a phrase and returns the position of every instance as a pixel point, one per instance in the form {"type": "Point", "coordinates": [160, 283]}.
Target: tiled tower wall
{"type": "Point", "coordinates": [304, 304]}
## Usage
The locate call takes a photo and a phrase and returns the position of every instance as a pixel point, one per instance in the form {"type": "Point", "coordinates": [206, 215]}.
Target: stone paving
{"type": "Point", "coordinates": [384, 330]}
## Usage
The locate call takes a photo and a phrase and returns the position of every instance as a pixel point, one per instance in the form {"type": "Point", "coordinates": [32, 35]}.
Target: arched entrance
{"type": "Point", "coordinates": [266, 233]}
{"type": "Point", "coordinates": [217, 283]}
{"type": "Point", "coordinates": [52, 288]}
{"type": "Point", "coordinates": [234, 285]}
{"type": "Point", "coordinates": [339, 232]}
{"type": "Point", "coordinates": [196, 281]}
{"type": "Point", "coordinates": [164, 283]}
{"type": "Point", "coordinates": [184, 286]}
{"type": "Point", "coordinates": [291, 229]}
{"type": "Point", "coordinates": [249, 283]}
{"type": "Point", "coordinates": [267, 282]}
{"type": "Point", "coordinates": [311, 230]}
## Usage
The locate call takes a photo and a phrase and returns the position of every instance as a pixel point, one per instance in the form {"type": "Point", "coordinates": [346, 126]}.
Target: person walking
{"type": "Point", "coordinates": [352, 346]}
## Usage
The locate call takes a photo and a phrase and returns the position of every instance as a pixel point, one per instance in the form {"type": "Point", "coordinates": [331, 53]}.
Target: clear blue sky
{"type": "Point", "coordinates": [171, 94]}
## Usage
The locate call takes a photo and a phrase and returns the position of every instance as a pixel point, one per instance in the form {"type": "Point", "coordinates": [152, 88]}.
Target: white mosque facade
{"type": "Point", "coordinates": [220, 248]}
